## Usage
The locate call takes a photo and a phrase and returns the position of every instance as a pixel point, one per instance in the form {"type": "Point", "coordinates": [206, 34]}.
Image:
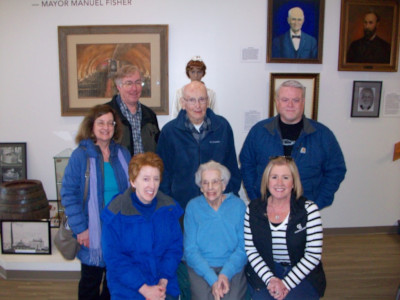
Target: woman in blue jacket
{"type": "Point", "coordinates": [142, 237]}
{"type": "Point", "coordinates": [107, 162]}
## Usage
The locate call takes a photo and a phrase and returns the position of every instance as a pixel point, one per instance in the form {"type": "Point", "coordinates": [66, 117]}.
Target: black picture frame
{"type": "Point", "coordinates": [25, 237]}
{"type": "Point", "coordinates": [12, 162]}
{"type": "Point", "coordinates": [279, 46]}
{"type": "Point", "coordinates": [366, 100]}
{"type": "Point", "coordinates": [352, 50]}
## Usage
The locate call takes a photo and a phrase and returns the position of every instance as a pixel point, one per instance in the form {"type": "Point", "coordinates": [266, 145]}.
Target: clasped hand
{"type": "Point", "coordinates": [221, 287]}
{"type": "Point", "coordinates": [277, 289]}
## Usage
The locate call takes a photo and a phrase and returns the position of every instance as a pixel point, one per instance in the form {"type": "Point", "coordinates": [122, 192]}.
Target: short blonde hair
{"type": "Point", "coordinates": [281, 161]}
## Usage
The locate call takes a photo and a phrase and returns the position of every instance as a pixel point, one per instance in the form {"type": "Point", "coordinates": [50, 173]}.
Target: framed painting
{"type": "Point", "coordinates": [311, 83]}
{"type": "Point", "coordinates": [295, 31]}
{"type": "Point", "coordinates": [91, 55]}
{"type": "Point", "coordinates": [12, 161]}
{"type": "Point", "coordinates": [366, 99]}
{"type": "Point", "coordinates": [25, 237]}
{"type": "Point", "coordinates": [369, 35]}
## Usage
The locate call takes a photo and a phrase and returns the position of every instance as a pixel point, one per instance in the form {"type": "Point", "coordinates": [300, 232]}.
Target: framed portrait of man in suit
{"type": "Point", "coordinates": [369, 32]}
{"type": "Point", "coordinates": [295, 31]}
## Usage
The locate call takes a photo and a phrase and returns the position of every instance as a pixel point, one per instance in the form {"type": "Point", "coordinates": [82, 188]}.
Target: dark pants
{"type": "Point", "coordinates": [90, 283]}
{"type": "Point", "coordinates": [302, 291]}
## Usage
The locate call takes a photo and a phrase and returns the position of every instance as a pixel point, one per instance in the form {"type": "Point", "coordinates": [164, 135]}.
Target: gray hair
{"type": "Point", "coordinates": [294, 84]}
{"type": "Point", "coordinates": [212, 165]}
{"type": "Point", "coordinates": [125, 71]}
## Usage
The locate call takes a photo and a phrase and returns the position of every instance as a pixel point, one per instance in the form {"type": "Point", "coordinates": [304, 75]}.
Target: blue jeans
{"type": "Point", "coordinates": [302, 291]}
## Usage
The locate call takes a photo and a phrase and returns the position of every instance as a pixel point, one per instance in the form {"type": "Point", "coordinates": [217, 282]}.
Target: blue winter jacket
{"type": "Point", "coordinates": [316, 152]}
{"type": "Point", "coordinates": [141, 250]}
{"type": "Point", "coordinates": [73, 186]}
{"type": "Point", "coordinates": [182, 156]}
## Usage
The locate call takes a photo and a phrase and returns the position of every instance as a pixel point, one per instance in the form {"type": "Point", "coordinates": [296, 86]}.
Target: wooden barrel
{"type": "Point", "coordinates": [23, 200]}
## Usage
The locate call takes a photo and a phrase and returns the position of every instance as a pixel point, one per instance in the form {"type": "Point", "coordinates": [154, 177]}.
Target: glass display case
{"type": "Point", "coordinates": [60, 163]}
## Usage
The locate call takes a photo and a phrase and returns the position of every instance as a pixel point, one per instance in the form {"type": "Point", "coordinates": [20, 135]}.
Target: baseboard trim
{"type": "Point", "coordinates": [39, 275]}
{"type": "Point", "coordinates": [361, 230]}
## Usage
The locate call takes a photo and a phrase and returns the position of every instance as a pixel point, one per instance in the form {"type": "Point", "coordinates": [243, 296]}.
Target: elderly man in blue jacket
{"type": "Point", "coordinates": [196, 136]}
{"type": "Point", "coordinates": [312, 145]}
{"type": "Point", "coordinates": [295, 43]}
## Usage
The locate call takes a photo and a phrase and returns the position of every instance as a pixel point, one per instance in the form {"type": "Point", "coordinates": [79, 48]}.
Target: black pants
{"type": "Point", "coordinates": [90, 283]}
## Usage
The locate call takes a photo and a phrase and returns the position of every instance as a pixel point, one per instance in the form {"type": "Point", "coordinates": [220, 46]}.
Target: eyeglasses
{"type": "Point", "coordinates": [287, 158]}
{"type": "Point", "coordinates": [105, 124]}
{"type": "Point", "coordinates": [192, 101]}
{"type": "Point", "coordinates": [129, 83]}
{"type": "Point", "coordinates": [212, 182]}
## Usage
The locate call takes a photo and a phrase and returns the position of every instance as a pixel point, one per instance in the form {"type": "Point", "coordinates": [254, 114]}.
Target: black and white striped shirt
{"type": "Point", "coordinates": [312, 251]}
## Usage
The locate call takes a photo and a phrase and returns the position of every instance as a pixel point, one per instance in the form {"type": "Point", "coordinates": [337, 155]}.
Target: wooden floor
{"type": "Point", "coordinates": [356, 267]}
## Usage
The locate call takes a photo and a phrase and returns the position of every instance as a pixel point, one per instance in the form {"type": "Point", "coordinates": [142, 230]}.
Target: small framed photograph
{"type": "Point", "coordinates": [369, 35]}
{"type": "Point", "coordinates": [366, 99]}
{"type": "Point", "coordinates": [295, 31]}
{"type": "Point", "coordinates": [25, 237]}
{"type": "Point", "coordinates": [54, 214]}
{"type": "Point", "coordinates": [12, 161]}
{"type": "Point", "coordinates": [309, 80]}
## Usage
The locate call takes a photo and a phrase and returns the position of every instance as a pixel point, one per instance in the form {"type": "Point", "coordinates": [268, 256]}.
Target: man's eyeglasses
{"type": "Point", "coordinates": [192, 101]}
{"type": "Point", "coordinates": [129, 83]}
{"type": "Point", "coordinates": [104, 124]}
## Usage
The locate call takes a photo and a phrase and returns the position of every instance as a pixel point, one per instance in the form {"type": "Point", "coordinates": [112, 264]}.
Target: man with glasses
{"type": "Point", "coordinates": [312, 145]}
{"type": "Point", "coordinates": [194, 137]}
{"type": "Point", "coordinates": [140, 126]}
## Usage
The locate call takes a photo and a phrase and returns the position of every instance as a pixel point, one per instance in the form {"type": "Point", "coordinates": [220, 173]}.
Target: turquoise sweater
{"type": "Point", "coordinates": [215, 238]}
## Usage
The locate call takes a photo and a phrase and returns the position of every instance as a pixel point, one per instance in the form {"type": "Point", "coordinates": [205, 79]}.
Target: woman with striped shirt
{"type": "Point", "coordinates": [283, 238]}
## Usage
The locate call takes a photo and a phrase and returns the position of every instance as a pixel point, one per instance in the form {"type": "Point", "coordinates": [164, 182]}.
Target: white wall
{"type": "Point", "coordinates": [216, 30]}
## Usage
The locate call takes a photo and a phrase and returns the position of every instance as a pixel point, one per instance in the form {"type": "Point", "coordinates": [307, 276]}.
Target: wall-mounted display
{"type": "Point", "coordinates": [90, 55]}
{"type": "Point", "coordinates": [25, 237]}
{"type": "Point", "coordinates": [309, 80]}
{"type": "Point", "coordinates": [295, 31]}
{"type": "Point", "coordinates": [369, 35]}
{"type": "Point", "coordinates": [12, 161]}
{"type": "Point", "coordinates": [366, 99]}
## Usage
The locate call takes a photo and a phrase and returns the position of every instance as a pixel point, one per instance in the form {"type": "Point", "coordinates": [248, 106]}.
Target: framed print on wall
{"type": "Point", "coordinates": [369, 35]}
{"type": "Point", "coordinates": [295, 31]}
{"type": "Point", "coordinates": [25, 237]}
{"type": "Point", "coordinates": [366, 99]}
{"type": "Point", "coordinates": [310, 81]}
{"type": "Point", "coordinates": [90, 55]}
{"type": "Point", "coordinates": [12, 161]}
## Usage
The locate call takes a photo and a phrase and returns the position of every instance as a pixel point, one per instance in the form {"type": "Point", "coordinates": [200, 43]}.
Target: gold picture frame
{"type": "Point", "coordinates": [353, 14]}
{"type": "Point", "coordinates": [311, 83]}
{"type": "Point", "coordinates": [89, 55]}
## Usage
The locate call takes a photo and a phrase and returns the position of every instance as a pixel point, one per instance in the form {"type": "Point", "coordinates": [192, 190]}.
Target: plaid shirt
{"type": "Point", "coordinates": [204, 128]}
{"type": "Point", "coordinates": [135, 121]}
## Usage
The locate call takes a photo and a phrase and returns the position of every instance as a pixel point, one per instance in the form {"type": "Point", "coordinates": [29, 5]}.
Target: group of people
{"type": "Point", "coordinates": [157, 200]}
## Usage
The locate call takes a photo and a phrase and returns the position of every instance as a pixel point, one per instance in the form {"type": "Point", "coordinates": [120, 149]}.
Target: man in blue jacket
{"type": "Point", "coordinates": [196, 136]}
{"type": "Point", "coordinates": [295, 43]}
{"type": "Point", "coordinates": [311, 144]}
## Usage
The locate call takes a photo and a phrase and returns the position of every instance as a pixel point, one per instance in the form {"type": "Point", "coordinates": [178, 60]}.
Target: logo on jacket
{"type": "Point", "coordinates": [215, 142]}
{"type": "Point", "coordinates": [299, 228]}
{"type": "Point", "coordinates": [303, 150]}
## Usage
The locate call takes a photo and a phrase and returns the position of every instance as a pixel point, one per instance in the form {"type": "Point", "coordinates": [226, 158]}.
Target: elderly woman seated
{"type": "Point", "coordinates": [213, 238]}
